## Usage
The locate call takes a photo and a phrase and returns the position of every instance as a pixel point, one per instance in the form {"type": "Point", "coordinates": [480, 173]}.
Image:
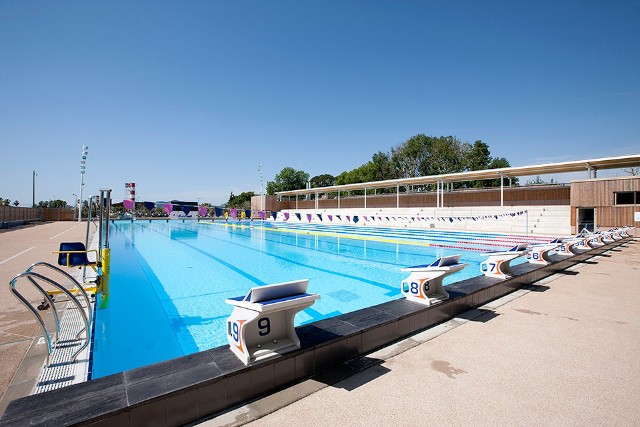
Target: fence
{"type": "Point", "coordinates": [11, 216]}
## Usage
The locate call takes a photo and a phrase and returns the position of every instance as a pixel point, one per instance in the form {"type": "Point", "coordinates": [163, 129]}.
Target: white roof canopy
{"type": "Point", "coordinates": [562, 167]}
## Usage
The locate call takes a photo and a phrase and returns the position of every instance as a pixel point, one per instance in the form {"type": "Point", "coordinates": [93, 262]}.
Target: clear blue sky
{"type": "Point", "coordinates": [187, 98]}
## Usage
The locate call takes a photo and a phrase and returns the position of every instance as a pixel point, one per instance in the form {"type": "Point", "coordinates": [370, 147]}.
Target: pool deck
{"type": "Point", "coordinates": [21, 358]}
{"type": "Point", "coordinates": [563, 352]}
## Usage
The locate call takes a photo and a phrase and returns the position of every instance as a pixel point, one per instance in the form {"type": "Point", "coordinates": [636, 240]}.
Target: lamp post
{"type": "Point", "coordinates": [75, 199]}
{"type": "Point", "coordinates": [85, 151]}
{"type": "Point", "coordinates": [34, 189]}
{"type": "Point", "coordinates": [261, 191]}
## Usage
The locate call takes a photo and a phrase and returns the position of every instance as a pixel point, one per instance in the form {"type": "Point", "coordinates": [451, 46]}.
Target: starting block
{"type": "Point", "coordinates": [497, 265]}
{"type": "Point", "coordinates": [615, 233]}
{"type": "Point", "coordinates": [607, 237]}
{"type": "Point", "coordinates": [424, 284]}
{"type": "Point", "coordinates": [595, 240]}
{"type": "Point", "coordinates": [625, 231]}
{"type": "Point", "coordinates": [574, 246]}
{"type": "Point", "coordinates": [261, 323]}
{"type": "Point", "coordinates": [539, 254]}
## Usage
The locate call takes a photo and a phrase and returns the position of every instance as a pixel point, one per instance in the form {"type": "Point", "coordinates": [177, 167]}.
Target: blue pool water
{"type": "Point", "coordinates": [169, 280]}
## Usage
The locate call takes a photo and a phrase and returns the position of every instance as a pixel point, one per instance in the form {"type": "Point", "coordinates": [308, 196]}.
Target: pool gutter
{"type": "Point", "coordinates": [189, 388]}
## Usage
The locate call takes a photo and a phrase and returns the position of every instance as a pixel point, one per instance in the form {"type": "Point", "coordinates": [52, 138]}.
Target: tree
{"type": "Point", "coordinates": [324, 180]}
{"type": "Point", "coordinates": [499, 163]}
{"type": "Point", "coordinates": [288, 179]}
{"type": "Point", "coordinates": [241, 201]}
{"type": "Point", "coordinates": [632, 171]}
{"type": "Point", "coordinates": [536, 181]}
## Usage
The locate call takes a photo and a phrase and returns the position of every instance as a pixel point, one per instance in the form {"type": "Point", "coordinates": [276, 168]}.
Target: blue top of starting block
{"type": "Point", "coordinates": [445, 261]}
{"type": "Point", "coordinates": [519, 247]}
{"type": "Point", "coordinates": [275, 292]}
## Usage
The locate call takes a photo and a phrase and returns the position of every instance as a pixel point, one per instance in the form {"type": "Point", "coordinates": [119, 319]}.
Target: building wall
{"type": "Point", "coordinates": [600, 194]}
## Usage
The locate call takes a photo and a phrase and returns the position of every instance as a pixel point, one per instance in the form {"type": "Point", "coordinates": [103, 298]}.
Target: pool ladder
{"type": "Point", "coordinates": [36, 279]}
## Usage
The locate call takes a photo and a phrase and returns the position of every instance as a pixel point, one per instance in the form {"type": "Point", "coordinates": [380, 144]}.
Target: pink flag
{"type": "Point", "coordinates": [348, 218]}
{"type": "Point", "coordinates": [286, 216]}
{"type": "Point", "coordinates": [330, 217]}
{"type": "Point", "coordinates": [168, 208]}
{"type": "Point", "coordinates": [309, 217]}
{"type": "Point", "coordinates": [202, 210]}
{"type": "Point", "coordinates": [128, 204]}
{"type": "Point", "coordinates": [233, 212]}
{"type": "Point", "coordinates": [261, 214]}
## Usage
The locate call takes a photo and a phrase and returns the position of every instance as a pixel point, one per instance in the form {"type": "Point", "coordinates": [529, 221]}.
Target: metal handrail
{"type": "Point", "coordinates": [75, 283]}
{"type": "Point", "coordinates": [30, 275]}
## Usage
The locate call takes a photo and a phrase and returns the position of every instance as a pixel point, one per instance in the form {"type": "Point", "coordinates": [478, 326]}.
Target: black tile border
{"type": "Point", "coordinates": [185, 389]}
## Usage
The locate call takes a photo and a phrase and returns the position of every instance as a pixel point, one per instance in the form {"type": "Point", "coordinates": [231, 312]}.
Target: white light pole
{"type": "Point", "coordinates": [261, 191]}
{"type": "Point", "coordinates": [34, 189]}
{"type": "Point", "coordinates": [85, 151]}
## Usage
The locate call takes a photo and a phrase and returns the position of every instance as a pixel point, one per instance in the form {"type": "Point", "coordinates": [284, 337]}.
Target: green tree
{"type": "Point", "coordinates": [498, 163]}
{"type": "Point", "coordinates": [241, 201]}
{"type": "Point", "coordinates": [478, 158]}
{"type": "Point", "coordinates": [536, 181]}
{"type": "Point", "coordinates": [288, 179]}
{"type": "Point", "coordinates": [324, 180]}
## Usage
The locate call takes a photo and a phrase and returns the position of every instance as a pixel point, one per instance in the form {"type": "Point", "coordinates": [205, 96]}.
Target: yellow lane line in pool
{"type": "Point", "coordinates": [327, 234]}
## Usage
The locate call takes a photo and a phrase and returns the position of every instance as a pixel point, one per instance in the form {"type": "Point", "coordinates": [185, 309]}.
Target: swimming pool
{"type": "Point", "coordinates": [170, 279]}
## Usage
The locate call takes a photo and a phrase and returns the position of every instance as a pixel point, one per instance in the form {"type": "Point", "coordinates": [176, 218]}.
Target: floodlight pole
{"type": "Point", "coordinates": [261, 188]}
{"type": "Point", "coordinates": [83, 159]}
{"type": "Point", "coordinates": [34, 190]}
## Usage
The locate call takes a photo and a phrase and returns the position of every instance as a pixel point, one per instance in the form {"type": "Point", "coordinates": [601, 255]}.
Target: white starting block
{"type": "Point", "coordinates": [607, 237]}
{"type": "Point", "coordinates": [574, 246]}
{"type": "Point", "coordinates": [261, 323]}
{"type": "Point", "coordinates": [626, 230]}
{"type": "Point", "coordinates": [615, 233]}
{"type": "Point", "coordinates": [497, 265]}
{"type": "Point", "coordinates": [595, 240]}
{"type": "Point", "coordinates": [424, 284]}
{"type": "Point", "coordinates": [539, 254]}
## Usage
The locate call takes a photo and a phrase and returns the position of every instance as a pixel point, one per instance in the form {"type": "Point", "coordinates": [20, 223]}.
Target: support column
{"type": "Point", "coordinates": [338, 199]}
{"type": "Point", "coordinates": [316, 200]}
{"type": "Point", "coordinates": [365, 197]}
{"type": "Point", "coordinates": [501, 191]}
{"type": "Point", "coordinates": [397, 196]}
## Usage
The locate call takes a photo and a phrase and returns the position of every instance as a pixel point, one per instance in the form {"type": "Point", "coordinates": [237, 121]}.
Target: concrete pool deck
{"type": "Point", "coordinates": [563, 352]}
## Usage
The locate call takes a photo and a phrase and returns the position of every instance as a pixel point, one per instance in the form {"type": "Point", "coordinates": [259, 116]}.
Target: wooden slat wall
{"type": "Point", "coordinates": [599, 194]}
{"type": "Point", "coordinates": [12, 213]}
{"type": "Point", "coordinates": [515, 196]}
